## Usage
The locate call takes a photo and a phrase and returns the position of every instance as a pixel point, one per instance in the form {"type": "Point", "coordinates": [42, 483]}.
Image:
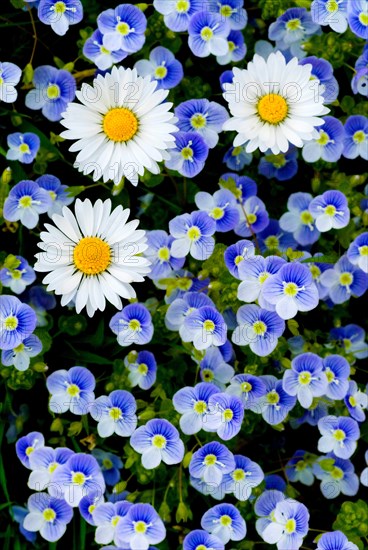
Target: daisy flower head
{"type": "Point", "coordinates": [48, 515]}
{"type": "Point", "coordinates": [306, 378]}
{"type": "Point", "coordinates": [54, 89]}
{"type": "Point", "coordinates": [26, 445]}
{"type": "Point", "coordinates": [161, 67]}
{"type": "Point", "coordinates": [208, 34]}
{"type": "Point", "coordinates": [26, 200]}
{"type": "Point", "coordinates": [203, 117]}
{"type": "Point", "coordinates": [358, 252]}
{"type": "Point", "coordinates": [330, 210]}
{"type": "Point", "coordinates": [330, 143]}
{"type": "Point", "coordinates": [344, 280]}
{"type": "Point", "coordinates": [9, 77]}
{"type": "Point", "coordinates": [192, 404]}
{"type": "Point", "coordinates": [23, 147]}
{"type": "Point", "coordinates": [132, 325]}
{"type": "Point", "coordinates": [330, 12]}
{"type": "Point", "coordinates": [123, 28]}
{"type": "Point", "coordinates": [72, 390]}
{"type": "Point", "coordinates": [123, 133]}
{"type": "Point", "coordinates": [141, 527]}
{"type": "Point", "coordinates": [225, 522]}
{"type": "Point", "coordinates": [58, 193]}
{"type": "Point", "coordinates": [43, 463]}
{"type": "Point", "coordinates": [17, 322]}
{"type": "Point", "coordinates": [340, 478]}
{"type": "Point", "coordinates": [276, 115]}
{"type": "Point", "coordinates": [92, 256]}
{"type": "Point", "coordinates": [177, 13]}
{"type": "Point", "coordinates": [243, 478]}
{"type": "Point", "coordinates": [247, 387]}
{"type": "Point", "coordinates": [202, 539]}
{"type": "Point", "coordinates": [225, 415]}
{"type": "Point", "coordinates": [358, 17]}
{"type": "Point", "coordinates": [211, 462]}
{"type": "Point", "coordinates": [60, 14]}
{"type": "Point", "coordinates": [142, 368]}
{"type": "Point", "coordinates": [157, 441]}
{"type": "Point", "coordinates": [115, 413]}
{"type": "Point", "coordinates": [339, 435]}
{"type": "Point", "coordinates": [193, 234]}
{"type": "Point", "coordinates": [336, 540]}
{"type": "Point", "coordinates": [221, 206]}
{"type": "Point", "coordinates": [289, 525]}
{"type": "Point", "coordinates": [21, 355]}
{"type": "Point", "coordinates": [236, 253]}
{"type": "Point", "coordinates": [95, 51]}
{"type": "Point", "coordinates": [356, 137]}
{"type": "Point", "coordinates": [189, 155]}
{"type": "Point", "coordinates": [16, 274]}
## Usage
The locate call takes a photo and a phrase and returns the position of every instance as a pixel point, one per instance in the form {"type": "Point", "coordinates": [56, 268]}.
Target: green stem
{"type": "Point", "coordinates": [82, 534]}
{"type": "Point", "coordinates": [35, 37]}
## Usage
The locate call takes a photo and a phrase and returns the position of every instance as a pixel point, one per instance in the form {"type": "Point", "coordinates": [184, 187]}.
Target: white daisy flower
{"type": "Point", "coordinates": [273, 104]}
{"type": "Point", "coordinates": [123, 126]}
{"type": "Point", "coordinates": [92, 256]}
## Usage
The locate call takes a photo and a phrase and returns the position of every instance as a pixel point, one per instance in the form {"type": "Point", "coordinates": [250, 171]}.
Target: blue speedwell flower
{"type": "Point", "coordinates": [359, 83]}
{"type": "Point", "coordinates": [158, 441]}
{"type": "Point", "coordinates": [27, 444]}
{"type": "Point", "coordinates": [17, 322]}
{"type": "Point", "coordinates": [211, 462]}
{"type": "Point", "coordinates": [356, 137]}
{"type": "Point", "coordinates": [289, 525]}
{"type": "Point", "coordinates": [276, 404]}
{"type": "Point", "coordinates": [336, 540]}
{"type": "Point", "coordinates": [364, 474]}
{"type": "Point", "coordinates": [356, 401]}
{"type": "Point", "coordinates": [140, 528]}
{"type": "Point", "coordinates": [306, 378]}
{"type": "Point", "coordinates": [25, 202]}
{"type": "Point", "coordinates": [265, 506]}
{"type": "Point", "coordinates": [203, 117]}
{"type": "Point", "coordinates": [177, 13]}
{"type": "Point", "coordinates": [192, 404]}
{"type": "Point", "coordinates": [208, 33]}
{"type": "Point", "coordinates": [274, 239]}
{"type": "Point", "coordinates": [58, 193]}
{"type": "Point", "coordinates": [292, 28]}
{"type": "Point", "coordinates": [95, 51]}
{"type": "Point", "coordinates": [143, 369]}
{"type": "Point", "coordinates": [54, 89]}
{"type": "Point", "coordinates": [245, 186]}
{"type": "Point", "coordinates": [243, 478]}
{"type": "Point", "coordinates": [115, 413]}
{"type": "Point", "coordinates": [232, 10]}
{"type": "Point", "coordinates": [236, 157]}
{"type": "Point", "coordinates": [19, 513]}
{"type": "Point", "coordinates": [23, 147]}
{"type": "Point", "coordinates": [159, 254]}
{"type": "Point", "coordinates": [225, 522]}
{"type": "Point", "coordinates": [299, 468]}
{"type": "Point", "coordinates": [330, 143]}
{"type": "Point", "coordinates": [189, 155]}
{"type": "Point", "coordinates": [237, 49]}
{"type": "Point", "coordinates": [221, 206]}
{"type": "Point", "coordinates": [337, 370]}
{"type": "Point", "coordinates": [110, 465]}
{"type": "Point", "coordinates": [338, 477]}
{"type": "Point", "coordinates": [291, 289]}
{"type": "Point", "coordinates": [344, 280]}
{"type": "Point", "coordinates": [339, 435]}
{"type": "Point", "coordinates": [183, 306]}
{"type": "Point", "coordinates": [358, 17]}
{"type": "Point", "coordinates": [253, 272]}
{"type": "Point", "coordinates": [247, 387]}
{"type": "Point", "coordinates": [48, 515]}
{"type": "Point", "coordinates": [193, 234]}
{"type": "Point", "coordinates": [253, 217]}
{"type": "Point", "coordinates": [213, 368]}
{"type": "Point", "coordinates": [282, 167]}
{"type": "Point", "coordinates": [43, 463]}
{"type": "Point", "coordinates": [88, 504]}
{"type": "Point", "coordinates": [106, 517]}
{"type": "Point", "coordinates": [80, 476]}
{"type": "Point", "coordinates": [9, 77]}
{"type": "Point", "coordinates": [161, 67]}
{"type": "Point", "coordinates": [358, 252]}
{"type": "Point", "coordinates": [299, 220]}
{"type": "Point", "coordinates": [132, 325]}
{"type": "Point", "coordinates": [225, 415]}
{"type": "Point", "coordinates": [17, 274]}
{"type": "Point", "coordinates": [202, 539]}
{"type": "Point", "coordinates": [71, 390]}
{"type": "Point", "coordinates": [60, 14]}
{"type": "Point", "coordinates": [258, 328]}
{"type": "Point", "coordinates": [236, 253]}
{"type": "Point", "coordinates": [352, 339]}
{"type": "Point", "coordinates": [322, 76]}
{"type": "Point", "coordinates": [330, 210]}
{"type": "Point", "coordinates": [205, 327]}
{"type": "Point", "coordinates": [333, 14]}
{"type": "Point", "coordinates": [21, 355]}
{"type": "Point", "coordinates": [123, 28]}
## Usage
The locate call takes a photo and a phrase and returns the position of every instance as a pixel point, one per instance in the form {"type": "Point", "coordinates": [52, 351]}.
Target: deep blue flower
{"type": "Point", "coordinates": [245, 187]}
{"type": "Point", "coordinates": [158, 441]}
{"type": "Point", "coordinates": [213, 368]}
{"type": "Point", "coordinates": [19, 513]}
{"type": "Point", "coordinates": [337, 370]}
{"type": "Point", "coordinates": [132, 325]}
{"type": "Point", "coordinates": [17, 322]}
{"type": "Point", "coordinates": [23, 147]}
{"type": "Point", "coordinates": [289, 525]}
{"type": "Point", "coordinates": [211, 462]}
{"type": "Point", "coordinates": [274, 481]}
{"type": "Point", "coordinates": [54, 89]}
{"type": "Point", "coordinates": [60, 14]}
{"type": "Point", "coordinates": [352, 339]}
{"type": "Point", "coordinates": [330, 143]}
{"type": "Point", "coordinates": [189, 155]}
{"type": "Point", "coordinates": [140, 528]}
{"type": "Point", "coordinates": [248, 388]}
{"type": "Point", "coordinates": [265, 506]}
{"type": "Point", "coordinates": [237, 49]}
{"type": "Point", "coordinates": [58, 193]}
{"type": "Point", "coordinates": [236, 157]}
{"type": "Point", "coordinates": [225, 415]}
{"type": "Point", "coordinates": [208, 33]}
{"type": "Point", "coordinates": [221, 206]}
{"type": "Point", "coordinates": [291, 289]}
{"type": "Point", "coordinates": [177, 14]}
{"type": "Point", "coordinates": [358, 17]}
{"type": "Point", "coordinates": [25, 202]}
{"type": "Point", "coordinates": [273, 239]}
{"type": "Point", "coordinates": [95, 51]}
{"type": "Point", "coordinates": [88, 504]}
{"type": "Point", "coordinates": [79, 477]}
{"type": "Point", "coordinates": [9, 77]}
{"type": "Point", "coordinates": [205, 327]}
{"type": "Point", "coordinates": [336, 540]}
{"type": "Point", "coordinates": [107, 517]}
{"type": "Point", "coordinates": [330, 13]}
{"type": "Point", "coordinates": [243, 478]}
{"type": "Point", "coordinates": [253, 217]}
{"type": "Point", "coordinates": [110, 465]}
{"type": "Point", "coordinates": [276, 404]}
{"type": "Point", "coordinates": [358, 252]}
{"type": "Point", "coordinates": [161, 67]}
{"type": "Point", "coordinates": [17, 274]}
{"type": "Point", "coordinates": [258, 328]}
{"type": "Point", "coordinates": [43, 462]}
{"type": "Point", "coordinates": [115, 413]}
{"type": "Point", "coordinates": [299, 220]}
{"type": "Point", "coordinates": [20, 355]}
{"type": "Point", "coordinates": [201, 539]}
{"type": "Point", "coordinates": [299, 468]}
{"type": "Point", "coordinates": [192, 404]}
{"type": "Point", "coordinates": [338, 477]}
{"type": "Point", "coordinates": [253, 272]}
{"type": "Point", "coordinates": [123, 28]}
{"type": "Point", "coordinates": [306, 379]}
{"type": "Point", "coordinates": [143, 369]}
{"type": "Point", "coordinates": [282, 167]}
{"type": "Point", "coordinates": [48, 515]}
{"type": "Point", "coordinates": [232, 10]}
{"type": "Point", "coordinates": [339, 435]}
{"type": "Point", "coordinates": [236, 253]}
{"type": "Point", "coordinates": [356, 401]}
{"type": "Point", "coordinates": [359, 82]}
{"type": "Point", "coordinates": [356, 137]}
{"type": "Point", "coordinates": [344, 280]}
{"type": "Point", "coordinates": [71, 390]}
{"type": "Point", "coordinates": [183, 306]}
{"type": "Point", "coordinates": [225, 522]}
{"type": "Point", "coordinates": [193, 234]}
{"type": "Point", "coordinates": [203, 117]}
{"type": "Point", "coordinates": [26, 445]}
{"type": "Point", "coordinates": [364, 474]}
{"type": "Point", "coordinates": [311, 416]}
{"type": "Point", "coordinates": [291, 28]}
{"type": "Point", "coordinates": [159, 254]}
{"type": "Point", "coordinates": [322, 76]}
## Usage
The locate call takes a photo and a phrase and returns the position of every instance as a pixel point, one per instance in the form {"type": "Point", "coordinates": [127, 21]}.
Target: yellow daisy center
{"type": "Point", "coordinates": [25, 202]}
{"type": "Point", "coordinates": [78, 478]}
{"type": "Point", "coordinates": [363, 18]}
{"type": "Point", "coordinates": [49, 514]}
{"type": "Point", "coordinates": [210, 460]}
{"type": "Point", "coordinates": [92, 255]}
{"type": "Point", "coordinates": [259, 328]}
{"type": "Point", "coordinates": [228, 415]}
{"type": "Point", "coordinates": [120, 124]}
{"type": "Point", "coordinates": [142, 369]}
{"type": "Point", "coordinates": [115, 413]}
{"type": "Point", "coordinates": [207, 375]}
{"type": "Point", "coordinates": [159, 441]}
{"type": "Point", "coordinates": [346, 278]}
{"type": "Point", "coordinates": [226, 520]}
{"type": "Point", "coordinates": [238, 474]}
{"type": "Point", "coordinates": [209, 325]}
{"type": "Point", "coordinates": [304, 378]}
{"type": "Point", "coordinates": [73, 390]}
{"type": "Point", "coordinates": [160, 72]}
{"type": "Point", "coordinates": [337, 473]}
{"type": "Point", "coordinates": [140, 527]}
{"type": "Point", "coordinates": [272, 108]}
{"type": "Point", "coordinates": [163, 254]}
{"type": "Point", "coordinates": [206, 33]}
{"type": "Point", "coordinates": [182, 6]}
{"type": "Point", "coordinates": [198, 121]}
{"type": "Point", "coordinates": [290, 526]}
{"type": "Point", "coordinates": [10, 323]}
{"type": "Point", "coordinates": [306, 217]}
{"type": "Point", "coordinates": [53, 90]}
{"type": "Point", "coordinates": [200, 407]}
{"type": "Point", "coordinates": [291, 289]}
{"type": "Point", "coordinates": [339, 435]}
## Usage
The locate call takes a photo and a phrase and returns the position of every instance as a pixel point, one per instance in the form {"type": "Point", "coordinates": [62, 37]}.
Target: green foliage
{"type": "Point", "coordinates": [353, 521]}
